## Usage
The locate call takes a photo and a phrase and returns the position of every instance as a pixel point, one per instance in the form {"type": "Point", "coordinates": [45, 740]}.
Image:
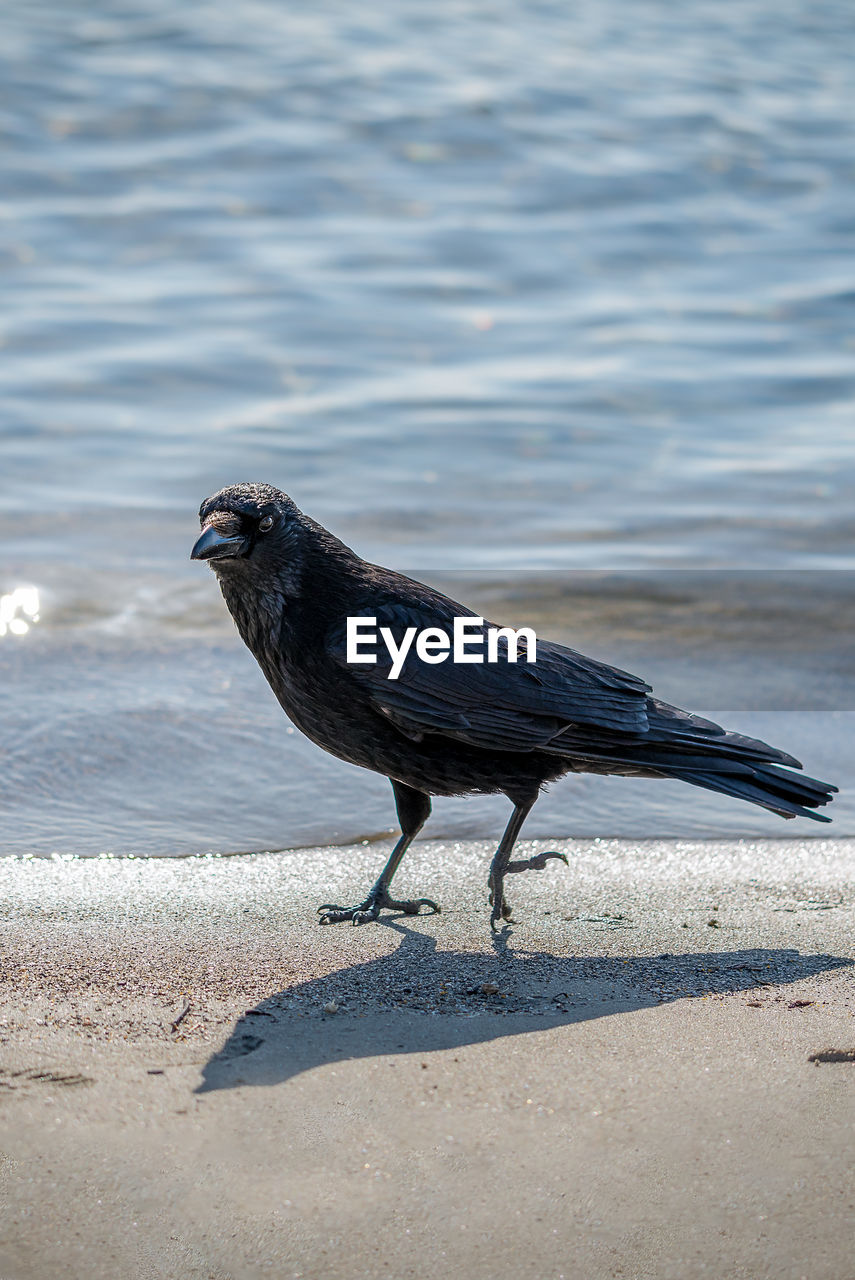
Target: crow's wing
{"type": "Point", "coordinates": [502, 706]}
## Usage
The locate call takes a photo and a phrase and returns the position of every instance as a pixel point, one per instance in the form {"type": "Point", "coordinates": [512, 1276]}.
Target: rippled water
{"type": "Point", "coordinates": [486, 287]}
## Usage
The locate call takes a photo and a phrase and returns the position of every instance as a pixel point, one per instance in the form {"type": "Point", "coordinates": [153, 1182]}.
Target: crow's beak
{"type": "Point", "coordinates": [212, 545]}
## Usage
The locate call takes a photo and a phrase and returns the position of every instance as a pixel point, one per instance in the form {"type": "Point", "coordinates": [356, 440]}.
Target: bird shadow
{"type": "Point", "coordinates": [419, 1000]}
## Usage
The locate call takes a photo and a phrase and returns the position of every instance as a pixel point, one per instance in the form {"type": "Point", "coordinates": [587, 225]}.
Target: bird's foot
{"type": "Point", "coordinates": [537, 863]}
{"type": "Point", "coordinates": [498, 919]}
{"type": "Point", "coordinates": [378, 900]}
{"type": "Point", "coordinates": [501, 913]}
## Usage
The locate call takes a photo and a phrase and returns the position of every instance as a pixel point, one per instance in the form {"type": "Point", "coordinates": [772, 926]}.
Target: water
{"type": "Point", "coordinates": [515, 290]}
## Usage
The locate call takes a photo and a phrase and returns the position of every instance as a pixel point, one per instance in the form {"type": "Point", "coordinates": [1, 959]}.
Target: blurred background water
{"type": "Point", "coordinates": [550, 304]}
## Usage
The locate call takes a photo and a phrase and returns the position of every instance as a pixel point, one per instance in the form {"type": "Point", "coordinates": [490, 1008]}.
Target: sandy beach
{"type": "Point", "coordinates": [199, 1082]}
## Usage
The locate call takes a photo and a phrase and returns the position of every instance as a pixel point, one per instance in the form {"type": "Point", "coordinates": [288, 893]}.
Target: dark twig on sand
{"type": "Point", "coordinates": [182, 1015]}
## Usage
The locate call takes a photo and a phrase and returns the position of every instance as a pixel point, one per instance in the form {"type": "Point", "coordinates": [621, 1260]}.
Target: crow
{"type": "Point", "coordinates": [453, 728]}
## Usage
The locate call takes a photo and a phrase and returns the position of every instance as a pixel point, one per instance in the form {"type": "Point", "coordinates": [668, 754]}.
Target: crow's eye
{"type": "Point", "coordinates": [265, 525]}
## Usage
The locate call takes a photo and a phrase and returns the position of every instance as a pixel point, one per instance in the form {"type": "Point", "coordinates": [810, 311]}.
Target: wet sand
{"type": "Point", "coordinates": [197, 1081]}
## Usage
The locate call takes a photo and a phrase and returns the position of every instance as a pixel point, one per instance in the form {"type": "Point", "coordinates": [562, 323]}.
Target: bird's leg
{"type": "Point", "coordinates": [501, 864]}
{"type": "Point", "coordinates": [413, 810]}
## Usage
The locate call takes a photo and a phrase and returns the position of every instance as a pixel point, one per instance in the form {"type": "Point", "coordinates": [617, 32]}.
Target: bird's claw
{"type": "Point", "coordinates": [372, 906]}
{"type": "Point", "coordinates": [413, 907]}
{"type": "Point", "coordinates": [332, 914]}
{"type": "Point", "coordinates": [500, 916]}
{"type": "Point", "coordinates": [500, 920]}
{"type": "Point", "coordinates": [536, 863]}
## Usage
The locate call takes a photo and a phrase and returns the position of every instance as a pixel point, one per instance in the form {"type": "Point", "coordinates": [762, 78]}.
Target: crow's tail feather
{"type": "Point", "coordinates": [790, 795]}
{"type": "Point", "coordinates": [684, 746]}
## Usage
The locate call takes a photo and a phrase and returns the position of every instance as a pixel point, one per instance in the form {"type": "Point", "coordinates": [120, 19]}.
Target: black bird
{"type": "Point", "coordinates": [452, 729]}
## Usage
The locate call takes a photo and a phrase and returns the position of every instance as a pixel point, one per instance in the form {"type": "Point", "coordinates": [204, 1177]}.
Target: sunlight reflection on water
{"type": "Point", "coordinates": [15, 608]}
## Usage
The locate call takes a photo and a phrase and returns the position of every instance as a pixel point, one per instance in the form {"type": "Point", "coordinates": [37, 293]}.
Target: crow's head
{"type": "Point", "coordinates": [249, 529]}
